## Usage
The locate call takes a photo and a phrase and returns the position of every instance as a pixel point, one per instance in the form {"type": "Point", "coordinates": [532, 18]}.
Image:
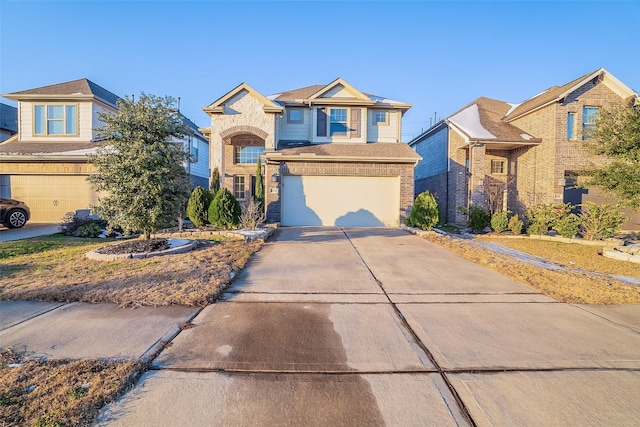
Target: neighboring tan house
{"type": "Point", "coordinates": [332, 154]}
{"type": "Point", "coordinates": [499, 155]}
{"type": "Point", "coordinates": [8, 121]}
{"type": "Point", "coordinates": [46, 165]}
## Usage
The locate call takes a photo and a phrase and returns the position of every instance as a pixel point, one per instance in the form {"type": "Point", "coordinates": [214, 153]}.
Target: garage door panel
{"type": "Point", "coordinates": [50, 197]}
{"type": "Point", "coordinates": [353, 201]}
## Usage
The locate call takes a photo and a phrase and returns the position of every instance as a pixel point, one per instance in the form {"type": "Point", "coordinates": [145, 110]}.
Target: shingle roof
{"type": "Point", "coordinates": [17, 148]}
{"type": "Point", "coordinates": [74, 87]}
{"type": "Point", "coordinates": [374, 150]}
{"type": "Point", "coordinates": [292, 95]}
{"type": "Point", "coordinates": [482, 119]}
{"type": "Point", "coordinates": [548, 95]}
{"type": "Point", "coordinates": [8, 118]}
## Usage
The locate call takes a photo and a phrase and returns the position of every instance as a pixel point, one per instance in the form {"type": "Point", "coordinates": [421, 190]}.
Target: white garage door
{"type": "Point", "coordinates": [350, 201]}
{"type": "Point", "coordinates": [49, 197]}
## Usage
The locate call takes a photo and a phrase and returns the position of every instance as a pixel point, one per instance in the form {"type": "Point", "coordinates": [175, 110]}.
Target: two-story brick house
{"type": "Point", "coordinates": [332, 154]}
{"type": "Point", "coordinates": [500, 155]}
{"type": "Point", "coordinates": [46, 165]}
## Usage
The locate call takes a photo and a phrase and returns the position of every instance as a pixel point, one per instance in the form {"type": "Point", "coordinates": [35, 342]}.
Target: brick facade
{"type": "Point", "coordinates": [535, 174]}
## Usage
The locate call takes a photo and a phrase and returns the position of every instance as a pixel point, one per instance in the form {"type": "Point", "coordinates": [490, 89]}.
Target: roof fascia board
{"type": "Point", "coordinates": [310, 157]}
{"type": "Point", "coordinates": [338, 101]}
{"type": "Point", "coordinates": [459, 131]}
{"type": "Point", "coordinates": [340, 81]}
{"type": "Point", "coordinates": [436, 128]}
{"type": "Point", "coordinates": [217, 107]}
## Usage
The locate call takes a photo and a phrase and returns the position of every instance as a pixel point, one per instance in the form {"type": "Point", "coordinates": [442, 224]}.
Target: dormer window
{"type": "Point", "coordinates": [55, 119]}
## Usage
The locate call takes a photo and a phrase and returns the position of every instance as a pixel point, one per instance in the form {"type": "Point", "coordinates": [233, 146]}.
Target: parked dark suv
{"type": "Point", "coordinates": [13, 213]}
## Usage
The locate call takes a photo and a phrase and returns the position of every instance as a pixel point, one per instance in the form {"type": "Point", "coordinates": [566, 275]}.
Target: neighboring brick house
{"type": "Point", "coordinates": [46, 164]}
{"type": "Point", "coordinates": [332, 154]}
{"type": "Point", "coordinates": [8, 121]}
{"type": "Point", "coordinates": [499, 155]}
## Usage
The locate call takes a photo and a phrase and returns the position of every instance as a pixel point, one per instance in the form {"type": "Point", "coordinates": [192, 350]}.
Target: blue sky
{"type": "Point", "coordinates": [438, 56]}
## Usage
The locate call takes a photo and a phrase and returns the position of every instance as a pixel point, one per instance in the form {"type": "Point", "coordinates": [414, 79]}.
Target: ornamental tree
{"type": "Point", "coordinates": [258, 191]}
{"type": "Point", "coordinates": [140, 165]}
{"type": "Point", "coordinates": [617, 136]}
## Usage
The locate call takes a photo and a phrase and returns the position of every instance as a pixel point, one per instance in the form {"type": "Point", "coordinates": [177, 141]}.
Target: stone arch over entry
{"type": "Point", "coordinates": [239, 130]}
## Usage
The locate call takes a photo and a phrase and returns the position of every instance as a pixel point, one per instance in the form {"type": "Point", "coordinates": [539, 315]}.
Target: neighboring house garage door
{"type": "Point", "coordinates": [351, 201]}
{"type": "Point", "coordinates": [49, 197]}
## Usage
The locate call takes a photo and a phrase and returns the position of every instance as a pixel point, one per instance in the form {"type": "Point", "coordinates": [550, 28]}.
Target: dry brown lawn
{"type": "Point", "coordinates": [567, 285]}
{"type": "Point", "coordinates": [53, 268]}
{"type": "Point", "coordinates": [59, 392]}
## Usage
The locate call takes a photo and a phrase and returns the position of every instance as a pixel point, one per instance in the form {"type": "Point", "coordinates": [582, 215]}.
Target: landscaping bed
{"type": "Point", "coordinates": [54, 268]}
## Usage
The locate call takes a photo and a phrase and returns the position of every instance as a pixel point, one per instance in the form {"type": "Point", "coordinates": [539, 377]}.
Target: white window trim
{"type": "Point", "coordinates": [46, 120]}
{"type": "Point", "coordinates": [347, 134]}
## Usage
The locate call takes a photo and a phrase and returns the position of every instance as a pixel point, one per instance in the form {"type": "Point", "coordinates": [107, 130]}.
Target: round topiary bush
{"type": "Point", "coordinates": [198, 206]}
{"type": "Point", "coordinates": [478, 218]}
{"type": "Point", "coordinates": [425, 213]}
{"type": "Point", "coordinates": [516, 225]}
{"type": "Point", "coordinates": [224, 210]}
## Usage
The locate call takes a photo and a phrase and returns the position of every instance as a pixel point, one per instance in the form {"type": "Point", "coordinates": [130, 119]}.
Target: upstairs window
{"type": "Point", "coordinates": [571, 118]}
{"type": "Point", "coordinates": [589, 118]}
{"type": "Point", "coordinates": [380, 118]}
{"type": "Point", "coordinates": [338, 122]}
{"type": "Point", "coordinates": [295, 116]}
{"type": "Point", "coordinates": [194, 151]}
{"type": "Point", "coordinates": [57, 119]}
{"type": "Point", "coordinates": [246, 155]}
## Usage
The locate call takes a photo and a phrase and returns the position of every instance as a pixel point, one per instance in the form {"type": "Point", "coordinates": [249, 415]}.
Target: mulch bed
{"type": "Point", "coordinates": [138, 246]}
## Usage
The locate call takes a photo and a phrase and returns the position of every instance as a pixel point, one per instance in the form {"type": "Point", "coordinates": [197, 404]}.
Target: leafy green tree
{"type": "Point", "coordinates": [258, 191]}
{"type": "Point", "coordinates": [140, 166]}
{"type": "Point", "coordinates": [215, 181]}
{"type": "Point", "coordinates": [224, 210]}
{"type": "Point", "coordinates": [198, 206]}
{"type": "Point", "coordinates": [424, 213]}
{"type": "Point", "coordinates": [617, 136]}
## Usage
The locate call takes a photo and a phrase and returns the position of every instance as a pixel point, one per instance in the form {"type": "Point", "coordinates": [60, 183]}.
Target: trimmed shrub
{"type": "Point", "coordinates": [515, 224]}
{"type": "Point", "coordinates": [543, 218]}
{"type": "Point", "coordinates": [224, 210]}
{"type": "Point", "coordinates": [500, 221]}
{"type": "Point", "coordinates": [198, 206]}
{"type": "Point", "coordinates": [425, 213]}
{"type": "Point", "coordinates": [90, 229]}
{"type": "Point", "coordinates": [600, 221]}
{"type": "Point", "coordinates": [258, 191]}
{"type": "Point", "coordinates": [478, 218]}
{"type": "Point", "coordinates": [567, 225]}
{"type": "Point", "coordinates": [72, 221]}
{"type": "Point", "coordinates": [215, 181]}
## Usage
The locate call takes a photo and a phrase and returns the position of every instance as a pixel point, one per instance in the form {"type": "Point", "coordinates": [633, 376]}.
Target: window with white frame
{"type": "Point", "coordinates": [194, 151]}
{"type": "Point", "coordinates": [589, 118]}
{"type": "Point", "coordinates": [338, 122]}
{"type": "Point", "coordinates": [55, 119]}
{"type": "Point", "coordinates": [498, 167]}
{"type": "Point", "coordinates": [246, 155]}
{"type": "Point", "coordinates": [295, 116]}
{"type": "Point", "coordinates": [380, 118]}
{"type": "Point", "coordinates": [238, 187]}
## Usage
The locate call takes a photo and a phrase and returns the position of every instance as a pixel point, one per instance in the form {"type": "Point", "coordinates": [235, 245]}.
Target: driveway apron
{"type": "Point", "coordinates": [331, 326]}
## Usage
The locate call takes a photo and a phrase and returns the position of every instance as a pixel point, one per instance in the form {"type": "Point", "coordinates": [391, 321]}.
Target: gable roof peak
{"type": "Point", "coordinates": [217, 107]}
{"type": "Point", "coordinates": [80, 87]}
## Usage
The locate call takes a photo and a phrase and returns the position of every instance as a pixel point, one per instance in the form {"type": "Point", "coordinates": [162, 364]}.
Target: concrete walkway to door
{"type": "Point", "coordinates": [331, 326]}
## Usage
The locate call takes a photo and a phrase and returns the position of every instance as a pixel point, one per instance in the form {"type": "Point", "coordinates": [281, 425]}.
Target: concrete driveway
{"type": "Point", "coordinates": [30, 229]}
{"type": "Point", "coordinates": [331, 326]}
